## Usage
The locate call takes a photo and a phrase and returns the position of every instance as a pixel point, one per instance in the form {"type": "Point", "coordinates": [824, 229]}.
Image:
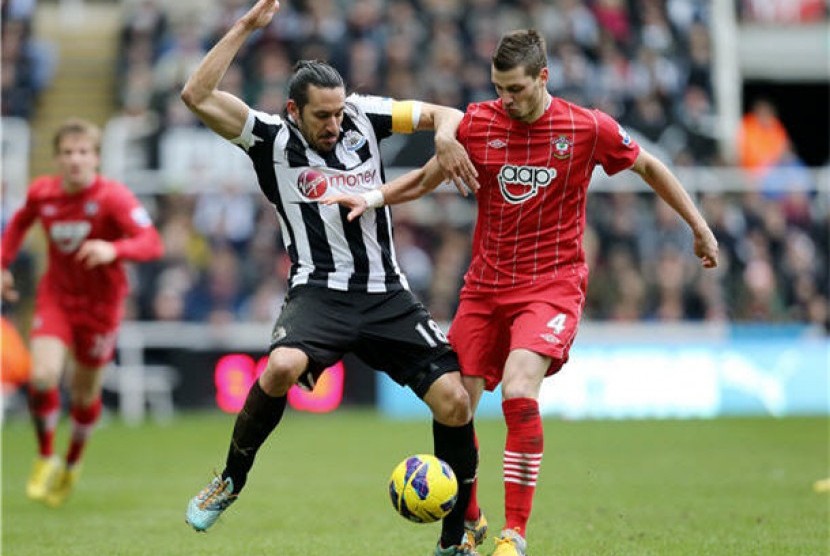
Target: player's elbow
{"type": "Point", "coordinates": [155, 248]}
{"type": "Point", "coordinates": [192, 96]}
{"type": "Point", "coordinates": [188, 97]}
{"type": "Point", "coordinates": [158, 252]}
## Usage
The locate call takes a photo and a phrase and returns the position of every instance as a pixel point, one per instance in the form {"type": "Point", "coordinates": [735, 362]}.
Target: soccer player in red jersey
{"type": "Point", "coordinates": [524, 291]}
{"type": "Point", "coordinates": [91, 224]}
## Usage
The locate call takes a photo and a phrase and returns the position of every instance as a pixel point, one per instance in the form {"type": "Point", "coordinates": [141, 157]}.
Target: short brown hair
{"type": "Point", "coordinates": [524, 47]}
{"type": "Point", "coordinates": [77, 126]}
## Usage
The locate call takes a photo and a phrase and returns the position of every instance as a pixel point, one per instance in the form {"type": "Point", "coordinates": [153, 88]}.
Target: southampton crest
{"type": "Point", "coordinates": [562, 147]}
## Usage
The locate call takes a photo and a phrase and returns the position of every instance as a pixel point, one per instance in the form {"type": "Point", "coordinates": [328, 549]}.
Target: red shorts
{"type": "Point", "coordinates": [542, 318]}
{"type": "Point", "coordinates": [87, 328]}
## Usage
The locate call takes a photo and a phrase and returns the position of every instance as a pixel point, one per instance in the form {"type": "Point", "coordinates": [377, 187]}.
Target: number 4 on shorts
{"type": "Point", "coordinates": [557, 323]}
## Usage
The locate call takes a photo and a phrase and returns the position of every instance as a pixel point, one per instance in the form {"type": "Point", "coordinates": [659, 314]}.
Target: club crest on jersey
{"type": "Point", "coordinates": [353, 140]}
{"type": "Point", "coordinates": [312, 184]}
{"type": "Point", "coordinates": [562, 147]}
{"type": "Point", "coordinates": [520, 183]}
{"type": "Point", "coordinates": [91, 208]}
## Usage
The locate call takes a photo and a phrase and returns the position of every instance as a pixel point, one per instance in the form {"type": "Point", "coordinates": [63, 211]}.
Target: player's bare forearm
{"type": "Point", "coordinates": [451, 155]}
{"type": "Point", "coordinates": [408, 187]}
{"type": "Point", "coordinates": [221, 111]}
{"type": "Point", "coordinates": [669, 188]}
{"type": "Point", "coordinates": [414, 184]}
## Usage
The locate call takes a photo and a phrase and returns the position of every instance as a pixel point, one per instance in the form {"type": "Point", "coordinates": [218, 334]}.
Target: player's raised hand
{"type": "Point", "coordinates": [261, 13]}
{"type": "Point", "coordinates": [357, 204]}
{"type": "Point", "coordinates": [9, 292]}
{"type": "Point", "coordinates": [706, 247]}
{"type": "Point", "coordinates": [95, 252]}
{"type": "Point", "coordinates": [456, 165]}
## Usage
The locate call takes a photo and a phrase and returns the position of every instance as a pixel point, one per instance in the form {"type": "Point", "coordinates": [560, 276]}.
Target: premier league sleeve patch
{"type": "Point", "coordinates": [626, 138]}
{"type": "Point", "coordinates": [141, 217]}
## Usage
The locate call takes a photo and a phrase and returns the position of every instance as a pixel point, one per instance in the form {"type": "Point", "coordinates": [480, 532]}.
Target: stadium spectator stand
{"type": "Point", "coordinates": [646, 62]}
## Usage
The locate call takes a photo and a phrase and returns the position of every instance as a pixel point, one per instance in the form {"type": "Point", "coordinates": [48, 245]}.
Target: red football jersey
{"type": "Point", "coordinates": [105, 210]}
{"type": "Point", "coordinates": [534, 181]}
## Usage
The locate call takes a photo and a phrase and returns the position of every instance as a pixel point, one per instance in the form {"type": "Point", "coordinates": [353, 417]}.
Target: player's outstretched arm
{"type": "Point", "coordinates": [669, 188]}
{"type": "Point", "coordinates": [451, 155]}
{"type": "Point", "coordinates": [408, 187]}
{"type": "Point", "coordinates": [142, 244]}
{"type": "Point", "coordinates": [219, 110]}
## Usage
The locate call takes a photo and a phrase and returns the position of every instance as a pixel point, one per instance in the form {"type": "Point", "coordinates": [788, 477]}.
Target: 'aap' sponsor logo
{"type": "Point", "coordinates": [520, 183]}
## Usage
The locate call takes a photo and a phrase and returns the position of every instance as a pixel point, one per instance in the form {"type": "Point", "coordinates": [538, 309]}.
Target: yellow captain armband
{"type": "Point", "coordinates": [405, 116]}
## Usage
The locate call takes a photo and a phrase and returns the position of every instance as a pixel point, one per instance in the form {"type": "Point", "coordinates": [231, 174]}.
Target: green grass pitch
{"type": "Point", "coordinates": [319, 487]}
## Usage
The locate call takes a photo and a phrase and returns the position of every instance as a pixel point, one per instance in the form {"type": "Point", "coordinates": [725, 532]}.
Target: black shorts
{"type": "Point", "coordinates": [390, 332]}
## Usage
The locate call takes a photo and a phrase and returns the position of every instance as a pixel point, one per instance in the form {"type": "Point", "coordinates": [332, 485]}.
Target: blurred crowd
{"type": "Point", "coordinates": [27, 64]}
{"type": "Point", "coordinates": [783, 11]}
{"type": "Point", "coordinates": [645, 62]}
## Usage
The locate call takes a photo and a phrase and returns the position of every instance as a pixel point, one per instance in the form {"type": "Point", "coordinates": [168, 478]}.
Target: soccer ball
{"type": "Point", "coordinates": [423, 488]}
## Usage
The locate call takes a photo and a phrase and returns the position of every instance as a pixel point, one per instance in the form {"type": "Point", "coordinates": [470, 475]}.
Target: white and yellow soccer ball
{"type": "Point", "coordinates": [423, 488]}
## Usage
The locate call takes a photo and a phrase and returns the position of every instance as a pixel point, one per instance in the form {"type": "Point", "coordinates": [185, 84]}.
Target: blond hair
{"type": "Point", "coordinates": [77, 126]}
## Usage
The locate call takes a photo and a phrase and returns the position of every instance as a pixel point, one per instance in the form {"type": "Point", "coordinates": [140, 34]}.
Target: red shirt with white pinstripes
{"type": "Point", "coordinates": [534, 180]}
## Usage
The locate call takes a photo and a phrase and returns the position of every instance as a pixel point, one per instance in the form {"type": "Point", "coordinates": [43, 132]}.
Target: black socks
{"type": "Point", "coordinates": [456, 446]}
{"type": "Point", "coordinates": [258, 417]}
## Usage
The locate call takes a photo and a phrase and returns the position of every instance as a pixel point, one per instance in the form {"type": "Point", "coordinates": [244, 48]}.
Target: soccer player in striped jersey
{"type": "Point", "coordinates": [346, 290]}
{"type": "Point", "coordinates": [535, 156]}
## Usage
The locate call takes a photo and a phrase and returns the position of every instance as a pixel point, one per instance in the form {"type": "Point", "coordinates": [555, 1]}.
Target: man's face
{"type": "Point", "coordinates": [523, 96]}
{"type": "Point", "coordinates": [77, 160]}
{"type": "Point", "coordinates": [320, 119]}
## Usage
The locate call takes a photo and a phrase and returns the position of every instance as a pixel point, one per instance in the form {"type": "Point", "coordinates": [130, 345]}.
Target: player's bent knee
{"type": "Point", "coordinates": [285, 365]}
{"type": "Point", "coordinates": [454, 408]}
{"type": "Point", "coordinates": [45, 377]}
{"type": "Point", "coordinates": [519, 389]}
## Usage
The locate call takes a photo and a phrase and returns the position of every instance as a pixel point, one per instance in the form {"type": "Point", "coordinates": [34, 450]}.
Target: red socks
{"type": "Point", "coordinates": [522, 459]}
{"type": "Point", "coordinates": [44, 407]}
{"type": "Point", "coordinates": [83, 422]}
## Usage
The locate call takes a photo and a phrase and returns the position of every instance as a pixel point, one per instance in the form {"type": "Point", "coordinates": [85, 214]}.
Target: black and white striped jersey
{"type": "Point", "coordinates": [327, 250]}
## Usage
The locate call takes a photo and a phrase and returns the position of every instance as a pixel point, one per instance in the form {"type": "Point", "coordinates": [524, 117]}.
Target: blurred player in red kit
{"type": "Point", "coordinates": [524, 291]}
{"type": "Point", "coordinates": [91, 224]}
